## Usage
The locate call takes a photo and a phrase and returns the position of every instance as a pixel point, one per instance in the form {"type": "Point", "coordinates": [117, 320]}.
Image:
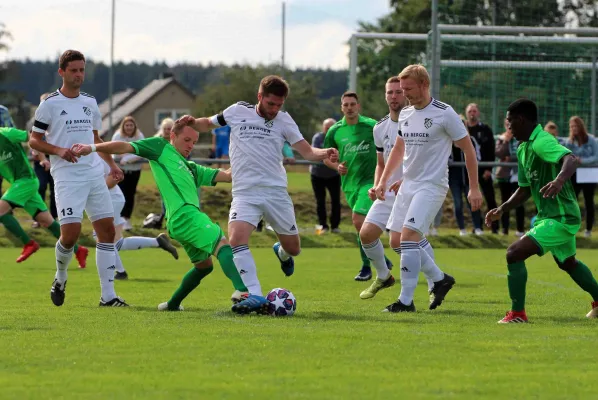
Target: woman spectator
{"type": "Point", "coordinates": [585, 147]}
{"type": "Point", "coordinates": [165, 128]}
{"type": "Point", "coordinates": [131, 166]}
{"type": "Point", "coordinates": [506, 151]}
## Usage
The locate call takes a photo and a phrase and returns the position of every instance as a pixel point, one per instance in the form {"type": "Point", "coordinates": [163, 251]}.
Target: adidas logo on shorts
{"type": "Point", "coordinates": [63, 112]}
{"type": "Point", "coordinates": [293, 228]}
{"type": "Point", "coordinates": [411, 220]}
{"type": "Point", "coordinates": [242, 272]}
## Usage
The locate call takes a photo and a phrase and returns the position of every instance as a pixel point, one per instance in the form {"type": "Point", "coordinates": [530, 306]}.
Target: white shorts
{"type": "Point", "coordinates": [274, 205]}
{"type": "Point", "coordinates": [416, 206]}
{"type": "Point", "coordinates": [74, 197]}
{"type": "Point", "coordinates": [380, 211]}
{"type": "Point", "coordinates": [118, 206]}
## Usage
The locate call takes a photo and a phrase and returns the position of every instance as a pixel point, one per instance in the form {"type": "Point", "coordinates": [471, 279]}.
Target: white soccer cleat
{"type": "Point", "coordinates": [238, 296]}
{"type": "Point", "coordinates": [594, 312]}
{"type": "Point", "coordinates": [478, 232]}
{"type": "Point", "coordinates": [462, 232]}
{"type": "Point", "coordinates": [164, 307]}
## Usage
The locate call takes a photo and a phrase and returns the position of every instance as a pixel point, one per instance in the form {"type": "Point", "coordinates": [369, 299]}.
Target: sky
{"type": "Point", "coordinates": [192, 31]}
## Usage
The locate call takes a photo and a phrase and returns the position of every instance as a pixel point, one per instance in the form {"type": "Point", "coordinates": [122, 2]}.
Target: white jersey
{"type": "Point", "coordinates": [386, 132]}
{"type": "Point", "coordinates": [116, 194]}
{"type": "Point", "coordinates": [66, 121]}
{"type": "Point", "coordinates": [256, 146]}
{"type": "Point", "coordinates": [429, 134]}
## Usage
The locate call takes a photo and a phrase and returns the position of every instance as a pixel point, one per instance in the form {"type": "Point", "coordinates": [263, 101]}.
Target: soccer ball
{"type": "Point", "coordinates": [281, 303]}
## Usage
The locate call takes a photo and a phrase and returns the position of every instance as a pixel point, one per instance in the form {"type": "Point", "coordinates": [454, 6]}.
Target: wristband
{"type": "Point", "coordinates": [93, 148]}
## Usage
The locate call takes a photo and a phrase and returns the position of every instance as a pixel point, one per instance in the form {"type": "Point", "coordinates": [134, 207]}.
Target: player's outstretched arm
{"type": "Point", "coordinates": [519, 197]}
{"type": "Point", "coordinates": [471, 163]}
{"type": "Point", "coordinates": [37, 142]}
{"type": "Point", "coordinates": [395, 159]}
{"type": "Point", "coordinates": [314, 154]}
{"type": "Point", "coordinates": [199, 124]}
{"type": "Point", "coordinates": [224, 176]}
{"type": "Point", "coordinates": [105, 147]}
{"type": "Point", "coordinates": [570, 164]}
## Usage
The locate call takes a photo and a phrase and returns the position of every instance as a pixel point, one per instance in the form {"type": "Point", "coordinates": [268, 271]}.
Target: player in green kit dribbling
{"type": "Point", "coordinates": [177, 180]}
{"type": "Point", "coordinates": [353, 136]}
{"type": "Point", "coordinates": [544, 170]}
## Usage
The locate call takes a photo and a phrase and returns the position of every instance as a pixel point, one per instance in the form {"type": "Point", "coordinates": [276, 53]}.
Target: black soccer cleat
{"type": "Point", "coordinates": [364, 275]}
{"type": "Point", "coordinates": [115, 302]}
{"type": "Point", "coordinates": [57, 293]}
{"type": "Point", "coordinates": [121, 275]}
{"type": "Point", "coordinates": [440, 289]}
{"type": "Point", "coordinates": [165, 244]}
{"type": "Point", "coordinates": [397, 306]}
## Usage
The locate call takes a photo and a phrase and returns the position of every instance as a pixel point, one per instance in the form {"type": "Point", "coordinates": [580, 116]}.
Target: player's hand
{"type": "Point", "coordinates": [380, 191]}
{"type": "Point", "coordinates": [395, 187]}
{"type": "Point", "coordinates": [342, 168]}
{"type": "Point", "coordinates": [185, 120]}
{"type": "Point", "coordinates": [487, 175]}
{"type": "Point", "coordinates": [332, 154]}
{"type": "Point", "coordinates": [493, 215]}
{"type": "Point", "coordinates": [67, 155]}
{"type": "Point", "coordinates": [372, 193]}
{"type": "Point", "coordinates": [45, 164]}
{"type": "Point", "coordinates": [116, 173]}
{"type": "Point", "coordinates": [81, 149]}
{"type": "Point", "coordinates": [475, 199]}
{"type": "Point", "coordinates": [552, 189]}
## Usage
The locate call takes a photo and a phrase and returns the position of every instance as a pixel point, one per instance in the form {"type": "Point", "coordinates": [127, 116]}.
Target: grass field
{"type": "Point", "coordinates": [336, 346]}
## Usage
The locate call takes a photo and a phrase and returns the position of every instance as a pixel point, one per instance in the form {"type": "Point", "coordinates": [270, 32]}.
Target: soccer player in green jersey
{"type": "Point", "coordinates": [177, 180]}
{"type": "Point", "coordinates": [353, 136]}
{"type": "Point", "coordinates": [545, 167]}
{"type": "Point", "coordinates": [23, 193]}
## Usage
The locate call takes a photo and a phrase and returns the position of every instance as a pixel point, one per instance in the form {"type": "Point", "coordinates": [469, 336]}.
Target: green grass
{"type": "Point", "coordinates": [336, 346]}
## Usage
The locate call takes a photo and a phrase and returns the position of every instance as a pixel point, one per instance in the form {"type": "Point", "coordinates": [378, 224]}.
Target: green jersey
{"type": "Point", "coordinates": [177, 179]}
{"type": "Point", "coordinates": [355, 144]}
{"type": "Point", "coordinates": [14, 163]}
{"type": "Point", "coordinates": [539, 162]}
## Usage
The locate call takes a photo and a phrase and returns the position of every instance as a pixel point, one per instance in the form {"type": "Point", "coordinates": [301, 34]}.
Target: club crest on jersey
{"type": "Point", "coordinates": [428, 123]}
{"type": "Point", "coordinates": [407, 123]}
{"type": "Point", "coordinates": [87, 111]}
{"type": "Point", "coordinates": [269, 124]}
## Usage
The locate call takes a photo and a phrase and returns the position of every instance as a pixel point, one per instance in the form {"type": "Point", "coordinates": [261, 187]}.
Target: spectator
{"type": "Point", "coordinates": [322, 179]}
{"type": "Point", "coordinates": [551, 128]}
{"type": "Point", "coordinates": [221, 141]}
{"type": "Point", "coordinates": [506, 151]}
{"type": "Point", "coordinates": [459, 185]}
{"type": "Point", "coordinates": [131, 166]}
{"type": "Point", "coordinates": [165, 128]}
{"type": "Point", "coordinates": [485, 138]}
{"type": "Point", "coordinates": [5, 122]}
{"type": "Point", "coordinates": [585, 147]}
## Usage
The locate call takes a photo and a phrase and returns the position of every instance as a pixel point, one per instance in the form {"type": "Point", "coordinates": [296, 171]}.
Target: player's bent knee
{"type": "Point", "coordinates": [369, 233]}
{"type": "Point", "coordinates": [205, 264]}
{"type": "Point", "coordinates": [513, 255]}
{"type": "Point", "coordinates": [568, 265]}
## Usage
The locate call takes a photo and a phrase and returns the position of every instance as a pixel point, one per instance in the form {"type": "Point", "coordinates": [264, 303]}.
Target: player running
{"type": "Point", "coordinates": [353, 136]}
{"type": "Point", "coordinates": [23, 193]}
{"type": "Point", "coordinates": [258, 134]}
{"type": "Point", "coordinates": [427, 128]}
{"type": "Point", "coordinates": [544, 169]}
{"type": "Point", "coordinates": [66, 117]}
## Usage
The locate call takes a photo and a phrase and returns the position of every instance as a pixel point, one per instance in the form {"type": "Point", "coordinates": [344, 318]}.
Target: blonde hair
{"type": "Point", "coordinates": [165, 122]}
{"type": "Point", "coordinates": [417, 72]}
{"type": "Point", "coordinates": [121, 128]}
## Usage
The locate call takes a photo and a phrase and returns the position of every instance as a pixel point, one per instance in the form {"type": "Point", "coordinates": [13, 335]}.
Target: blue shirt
{"type": "Point", "coordinates": [5, 119]}
{"type": "Point", "coordinates": [222, 136]}
{"type": "Point", "coordinates": [588, 152]}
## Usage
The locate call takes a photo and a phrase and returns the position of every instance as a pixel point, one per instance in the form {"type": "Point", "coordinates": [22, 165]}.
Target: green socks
{"type": "Point", "coordinates": [225, 257]}
{"type": "Point", "coordinates": [365, 261]}
{"type": "Point", "coordinates": [582, 275]}
{"type": "Point", "coordinates": [12, 225]}
{"type": "Point", "coordinates": [55, 231]}
{"type": "Point", "coordinates": [190, 281]}
{"type": "Point", "coordinates": [517, 279]}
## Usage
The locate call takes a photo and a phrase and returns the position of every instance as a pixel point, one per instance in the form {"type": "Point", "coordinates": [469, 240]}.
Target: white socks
{"type": "Point", "coordinates": [283, 254]}
{"type": "Point", "coordinates": [118, 262]}
{"type": "Point", "coordinates": [137, 243]}
{"type": "Point", "coordinates": [63, 258]}
{"type": "Point", "coordinates": [247, 269]}
{"type": "Point", "coordinates": [375, 252]}
{"type": "Point", "coordinates": [410, 267]}
{"type": "Point", "coordinates": [429, 267]}
{"type": "Point", "coordinates": [106, 263]}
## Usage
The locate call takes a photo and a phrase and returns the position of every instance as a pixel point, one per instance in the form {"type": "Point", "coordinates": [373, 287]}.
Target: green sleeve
{"type": "Point", "coordinates": [549, 149]}
{"type": "Point", "coordinates": [204, 176]}
{"type": "Point", "coordinates": [521, 176]}
{"type": "Point", "coordinates": [14, 135]}
{"type": "Point", "coordinates": [287, 151]}
{"type": "Point", "coordinates": [150, 148]}
{"type": "Point", "coordinates": [329, 139]}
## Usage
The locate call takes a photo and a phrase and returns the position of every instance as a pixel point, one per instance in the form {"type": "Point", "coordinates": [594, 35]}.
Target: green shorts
{"type": "Point", "coordinates": [196, 232]}
{"type": "Point", "coordinates": [555, 237]}
{"type": "Point", "coordinates": [359, 200]}
{"type": "Point", "coordinates": [23, 193]}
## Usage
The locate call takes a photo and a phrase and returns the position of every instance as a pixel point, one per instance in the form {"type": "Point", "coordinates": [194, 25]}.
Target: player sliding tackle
{"type": "Point", "coordinates": [545, 169]}
{"type": "Point", "coordinates": [258, 133]}
{"type": "Point", "coordinates": [427, 130]}
{"type": "Point", "coordinates": [178, 180]}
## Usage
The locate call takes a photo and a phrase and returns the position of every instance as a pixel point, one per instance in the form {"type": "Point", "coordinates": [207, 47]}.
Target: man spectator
{"type": "Point", "coordinates": [322, 179]}
{"type": "Point", "coordinates": [485, 138]}
{"type": "Point", "coordinates": [5, 122]}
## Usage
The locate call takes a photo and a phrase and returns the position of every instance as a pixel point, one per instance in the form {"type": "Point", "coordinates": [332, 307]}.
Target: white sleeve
{"type": "Point", "coordinates": [453, 125]}
{"type": "Point", "coordinates": [42, 119]}
{"type": "Point", "coordinates": [377, 139]}
{"type": "Point", "coordinates": [291, 132]}
{"type": "Point", "coordinates": [97, 117]}
{"type": "Point", "coordinates": [226, 117]}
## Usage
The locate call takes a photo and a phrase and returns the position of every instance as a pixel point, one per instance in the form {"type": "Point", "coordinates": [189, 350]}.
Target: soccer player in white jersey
{"type": "Point", "coordinates": [427, 128]}
{"type": "Point", "coordinates": [66, 117]}
{"type": "Point", "coordinates": [259, 188]}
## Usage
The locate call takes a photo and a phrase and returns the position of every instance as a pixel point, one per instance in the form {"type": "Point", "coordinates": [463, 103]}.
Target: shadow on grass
{"type": "Point", "coordinates": [150, 280]}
